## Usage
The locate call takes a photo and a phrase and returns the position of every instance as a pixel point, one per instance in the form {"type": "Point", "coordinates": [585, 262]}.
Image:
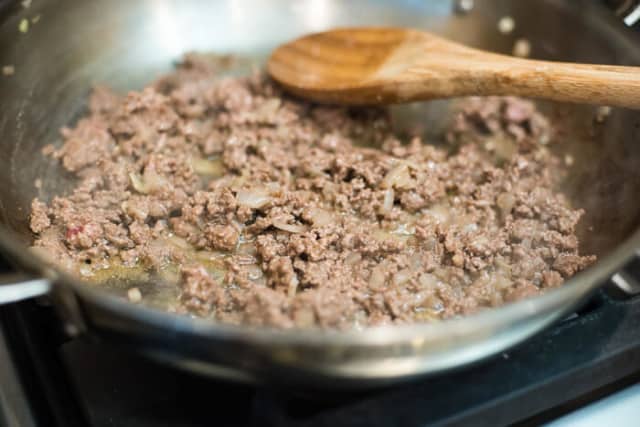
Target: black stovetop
{"type": "Point", "coordinates": [81, 382]}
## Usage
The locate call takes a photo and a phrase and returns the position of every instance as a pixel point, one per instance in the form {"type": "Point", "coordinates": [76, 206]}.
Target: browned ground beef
{"type": "Point", "coordinates": [265, 210]}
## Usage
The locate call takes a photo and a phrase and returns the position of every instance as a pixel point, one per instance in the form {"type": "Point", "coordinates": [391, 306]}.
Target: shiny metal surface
{"type": "Point", "coordinates": [76, 43]}
{"type": "Point", "coordinates": [17, 288]}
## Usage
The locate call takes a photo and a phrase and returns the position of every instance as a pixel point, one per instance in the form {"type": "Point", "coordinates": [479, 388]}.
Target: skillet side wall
{"type": "Point", "coordinates": [126, 44]}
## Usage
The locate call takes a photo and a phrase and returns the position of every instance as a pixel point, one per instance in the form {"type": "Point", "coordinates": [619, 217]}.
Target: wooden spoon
{"type": "Point", "coordinates": [367, 66]}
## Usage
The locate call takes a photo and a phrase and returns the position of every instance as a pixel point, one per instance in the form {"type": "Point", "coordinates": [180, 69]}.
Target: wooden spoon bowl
{"type": "Point", "coordinates": [368, 66]}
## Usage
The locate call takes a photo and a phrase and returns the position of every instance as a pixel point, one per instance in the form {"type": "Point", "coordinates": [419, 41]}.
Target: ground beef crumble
{"type": "Point", "coordinates": [265, 210]}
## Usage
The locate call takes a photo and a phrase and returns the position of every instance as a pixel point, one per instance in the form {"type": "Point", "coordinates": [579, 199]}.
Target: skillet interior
{"type": "Point", "coordinates": [125, 44]}
{"type": "Point", "coordinates": [76, 44]}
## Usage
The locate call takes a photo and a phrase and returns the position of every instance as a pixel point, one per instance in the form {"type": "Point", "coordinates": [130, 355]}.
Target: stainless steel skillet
{"type": "Point", "coordinates": [76, 43]}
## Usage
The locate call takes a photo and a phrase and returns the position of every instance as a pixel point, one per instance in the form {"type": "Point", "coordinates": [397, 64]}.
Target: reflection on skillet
{"type": "Point", "coordinates": [224, 198]}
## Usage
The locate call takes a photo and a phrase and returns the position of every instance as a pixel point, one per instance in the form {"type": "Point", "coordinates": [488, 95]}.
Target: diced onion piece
{"type": "Point", "coordinates": [360, 320]}
{"type": "Point", "coordinates": [401, 277]}
{"type": "Point", "coordinates": [214, 168]}
{"type": "Point", "coordinates": [304, 317]}
{"type": "Point", "coordinates": [381, 235]}
{"type": "Point", "coordinates": [387, 203]}
{"type": "Point", "coordinates": [413, 164]}
{"type": "Point", "coordinates": [137, 183]}
{"type": "Point", "coordinates": [254, 272]}
{"type": "Point", "coordinates": [429, 243]}
{"type": "Point", "coordinates": [522, 48]}
{"type": "Point", "coordinates": [215, 269]}
{"type": "Point", "coordinates": [237, 182]}
{"type": "Point", "coordinates": [377, 278]}
{"type": "Point", "coordinates": [404, 230]}
{"type": "Point", "coordinates": [135, 210]}
{"type": "Point", "coordinates": [415, 261]}
{"type": "Point", "coordinates": [85, 271]}
{"type": "Point", "coordinates": [273, 187]}
{"type": "Point", "coordinates": [428, 280]}
{"type": "Point", "coordinates": [470, 228]}
{"type": "Point", "coordinates": [269, 106]}
{"type": "Point", "coordinates": [506, 24]}
{"type": "Point", "coordinates": [134, 295]}
{"type": "Point", "coordinates": [435, 304]}
{"type": "Point", "coordinates": [441, 213]}
{"type": "Point", "coordinates": [254, 198]}
{"type": "Point", "coordinates": [320, 217]}
{"type": "Point", "coordinates": [502, 267]}
{"type": "Point", "coordinates": [442, 274]}
{"type": "Point", "coordinates": [501, 282]}
{"type": "Point", "coordinates": [480, 243]}
{"type": "Point", "coordinates": [385, 236]}
{"type": "Point", "coordinates": [245, 259]}
{"type": "Point", "coordinates": [397, 177]}
{"type": "Point", "coordinates": [504, 148]}
{"type": "Point", "coordinates": [506, 202]}
{"type": "Point", "coordinates": [293, 287]}
{"type": "Point", "coordinates": [247, 249]}
{"type": "Point", "coordinates": [292, 228]}
{"type": "Point", "coordinates": [169, 274]}
{"type": "Point", "coordinates": [153, 180]}
{"type": "Point", "coordinates": [602, 113]}
{"type": "Point", "coordinates": [149, 182]}
{"type": "Point", "coordinates": [209, 256]}
{"type": "Point", "coordinates": [179, 242]}
{"type": "Point", "coordinates": [353, 258]}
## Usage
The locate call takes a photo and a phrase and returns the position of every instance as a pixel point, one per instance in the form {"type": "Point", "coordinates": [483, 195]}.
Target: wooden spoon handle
{"type": "Point", "coordinates": [581, 83]}
{"type": "Point", "coordinates": [373, 66]}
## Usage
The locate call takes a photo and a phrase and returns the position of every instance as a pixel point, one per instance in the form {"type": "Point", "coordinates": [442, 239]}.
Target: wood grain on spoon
{"type": "Point", "coordinates": [365, 66]}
